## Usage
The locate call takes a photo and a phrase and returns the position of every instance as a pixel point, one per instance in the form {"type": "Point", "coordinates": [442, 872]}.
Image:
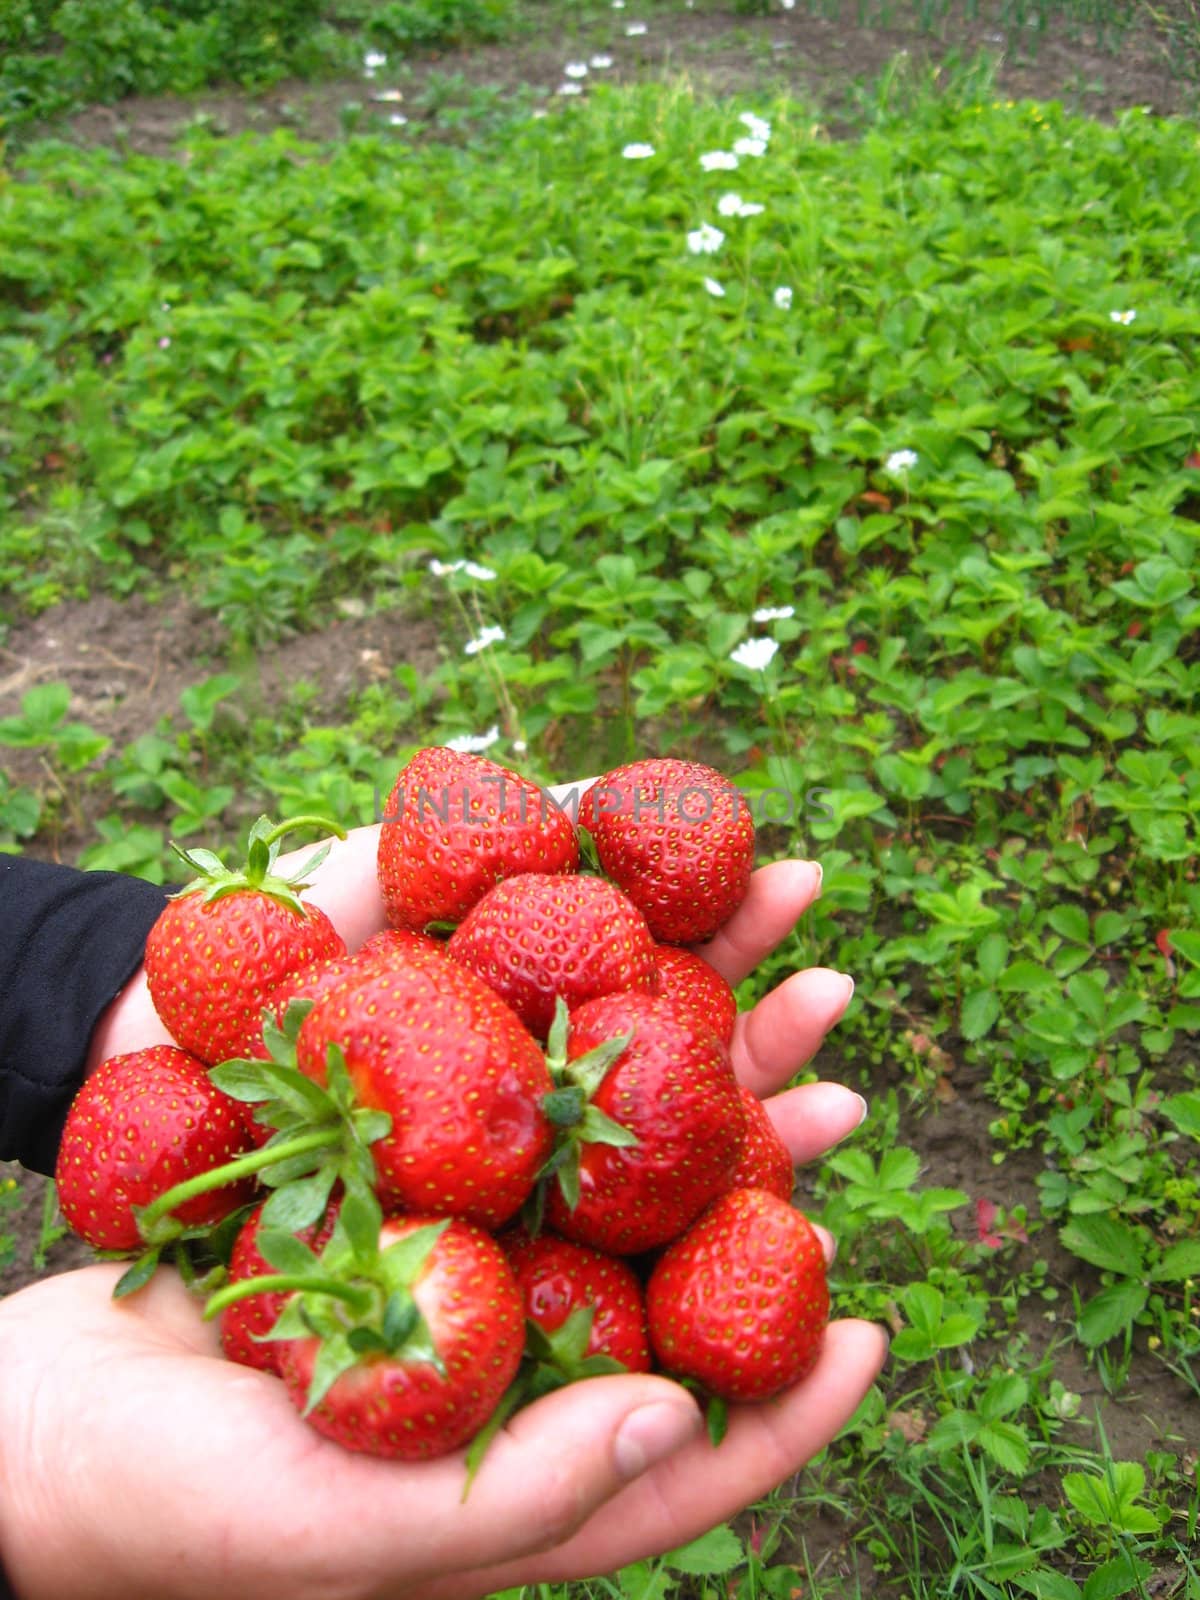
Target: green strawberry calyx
{"type": "Point", "coordinates": [214, 880]}
{"type": "Point", "coordinates": [321, 1137]}
{"type": "Point", "coordinates": [570, 1108]}
{"type": "Point", "coordinates": [356, 1298]}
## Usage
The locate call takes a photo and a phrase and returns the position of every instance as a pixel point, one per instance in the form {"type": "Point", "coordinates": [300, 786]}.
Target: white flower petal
{"type": "Point", "coordinates": [774, 613]}
{"type": "Point", "coordinates": [638, 152]}
{"type": "Point", "coordinates": [901, 460]}
{"type": "Point", "coordinates": [1124, 317]}
{"type": "Point", "coordinates": [714, 288]}
{"type": "Point", "coordinates": [569, 88]}
{"type": "Point", "coordinates": [718, 161]}
{"type": "Point", "coordinates": [749, 147]}
{"type": "Point", "coordinates": [473, 744]}
{"type": "Point", "coordinates": [783, 297]}
{"type": "Point", "coordinates": [705, 240]}
{"type": "Point", "coordinates": [756, 654]}
{"type": "Point", "coordinates": [635, 30]}
{"type": "Point", "coordinates": [481, 574]}
{"type": "Point", "coordinates": [576, 69]}
{"type": "Point", "coordinates": [600, 63]}
{"type": "Point", "coordinates": [490, 635]}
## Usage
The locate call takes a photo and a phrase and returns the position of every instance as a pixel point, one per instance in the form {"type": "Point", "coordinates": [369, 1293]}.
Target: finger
{"type": "Point", "coordinates": [778, 895]}
{"type": "Point", "coordinates": [813, 1118]}
{"type": "Point", "coordinates": [346, 885]}
{"type": "Point", "coordinates": [700, 1486]}
{"type": "Point", "coordinates": [543, 1477]}
{"type": "Point", "coordinates": [773, 1041]}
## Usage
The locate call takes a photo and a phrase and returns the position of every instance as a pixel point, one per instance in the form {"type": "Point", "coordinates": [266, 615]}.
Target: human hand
{"type": "Point", "coordinates": [135, 1459]}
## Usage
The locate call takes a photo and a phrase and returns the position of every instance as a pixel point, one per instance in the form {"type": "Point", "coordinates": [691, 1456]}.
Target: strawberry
{"type": "Point", "coordinates": [642, 1151]}
{"type": "Point", "coordinates": [414, 1357]}
{"type": "Point", "coordinates": [678, 838]}
{"type": "Point", "coordinates": [139, 1124]}
{"type": "Point", "coordinates": [739, 1304]}
{"type": "Point", "coordinates": [456, 824]}
{"type": "Point", "coordinates": [541, 937]}
{"type": "Point", "coordinates": [560, 1281]}
{"type": "Point", "coordinates": [766, 1162]}
{"type": "Point", "coordinates": [429, 1044]}
{"type": "Point", "coordinates": [245, 1323]}
{"type": "Point", "coordinates": [389, 941]}
{"type": "Point", "coordinates": [689, 981]}
{"type": "Point", "coordinates": [227, 938]}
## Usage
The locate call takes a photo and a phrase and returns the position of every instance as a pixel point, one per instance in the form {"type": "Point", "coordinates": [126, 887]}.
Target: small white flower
{"type": "Point", "coordinates": [490, 635]}
{"type": "Point", "coordinates": [718, 161]}
{"type": "Point", "coordinates": [618, 5]}
{"type": "Point", "coordinates": [1124, 317]}
{"type": "Point", "coordinates": [751, 208]}
{"type": "Point", "coordinates": [705, 240]}
{"type": "Point", "coordinates": [901, 460]}
{"type": "Point", "coordinates": [757, 127]}
{"type": "Point", "coordinates": [729, 205]}
{"type": "Point", "coordinates": [576, 69]}
{"type": "Point", "coordinates": [635, 30]}
{"type": "Point", "coordinates": [569, 88]}
{"type": "Point", "coordinates": [398, 119]}
{"type": "Point", "coordinates": [638, 152]}
{"type": "Point", "coordinates": [714, 288]}
{"type": "Point", "coordinates": [166, 305]}
{"type": "Point", "coordinates": [788, 5]}
{"type": "Point", "coordinates": [783, 297]}
{"type": "Point", "coordinates": [385, 96]}
{"type": "Point", "coordinates": [443, 569]}
{"type": "Point", "coordinates": [481, 574]}
{"type": "Point", "coordinates": [774, 613]}
{"type": "Point", "coordinates": [600, 63]}
{"type": "Point", "coordinates": [756, 654]}
{"type": "Point", "coordinates": [749, 147]}
{"type": "Point", "coordinates": [372, 62]}
{"type": "Point", "coordinates": [473, 744]}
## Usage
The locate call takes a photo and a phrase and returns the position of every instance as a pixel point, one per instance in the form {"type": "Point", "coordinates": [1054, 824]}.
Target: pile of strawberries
{"type": "Point", "coordinates": [499, 1148]}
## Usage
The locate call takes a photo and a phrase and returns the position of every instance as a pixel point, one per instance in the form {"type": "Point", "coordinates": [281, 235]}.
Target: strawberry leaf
{"type": "Point", "coordinates": [300, 1203]}
{"type": "Point", "coordinates": [598, 1127]}
{"type": "Point", "coordinates": [139, 1274]}
{"type": "Point", "coordinates": [285, 1252]}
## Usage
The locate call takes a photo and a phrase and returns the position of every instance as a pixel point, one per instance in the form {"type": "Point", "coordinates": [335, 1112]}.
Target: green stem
{"type": "Point", "coordinates": [244, 1167]}
{"type": "Point", "coordinates": [302, 822]}
{"type": "Point", "coordinates": [286, 1283]}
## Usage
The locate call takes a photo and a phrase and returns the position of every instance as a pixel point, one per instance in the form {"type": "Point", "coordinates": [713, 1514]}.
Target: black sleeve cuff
{"type": "Point", "coordinates": [69, 942]}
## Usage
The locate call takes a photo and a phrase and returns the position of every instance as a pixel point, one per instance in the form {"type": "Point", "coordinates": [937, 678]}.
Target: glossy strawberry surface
{"type": "Point", "coordinates": [461, 1077]}
{"type": "Point", "coordinates": [454, 825]}
{"type": "Point", "coordinates": [739, 1304]}
{"type": "Point", "coordinates": [141, 1123]}
{"type": "Point", "coordinates": [678, 838]}
{"type": "Point", "coordinates": [765, 1161]}
{"type": "Point", "coordinates": [689, 981]}
{"type": "Point", "coordinates": [541, 937]}
{"type": "Point", "coordinates": [211, 965]}
{"type": "Point", "coordinates": [673, 1088]}
{"type": "Point", "coordinates": [557, 1277]}
{"type": "Point", "coordinates": [404, 1408]}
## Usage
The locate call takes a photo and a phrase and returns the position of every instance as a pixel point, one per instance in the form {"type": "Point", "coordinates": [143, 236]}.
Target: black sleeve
{"type": "Point", "coordinates": [69, 942]}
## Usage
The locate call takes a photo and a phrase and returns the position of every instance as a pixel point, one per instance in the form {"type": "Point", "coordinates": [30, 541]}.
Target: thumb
{"type": "Point", "coordinates": [560, 1459]}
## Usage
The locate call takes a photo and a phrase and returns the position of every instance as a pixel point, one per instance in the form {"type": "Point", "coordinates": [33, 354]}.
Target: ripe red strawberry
{"type": "Point", "coordinates": [430, 1044]}
{"type": "Point", "coordinates": [244, 1323]}
{"type": "Point", "coordinates": [678, 838]}
{"type": "Point", "coordinates": [689, 981]}
{"type": "Point", "coordinates": [541, 937]}
{"type": "Point", "coordinates": [424, 1380]}
{"type": "Point", "coordinates": [226, 939]}
{"type": "Point", "coordinates": [456, 824]}
{"type": "Point", "coordinates": [559, 1279]}
{"type": "Point", "coordinates": [766, 1162]}
{"type": "Point", "coordinates": [673, 1092]}
{"type": "Point", "coordinates": [390, 941]}
{"type": "Point", "coordinates": [141, 1123]}
{"type": "Point", "coordinates": [739, 1304]}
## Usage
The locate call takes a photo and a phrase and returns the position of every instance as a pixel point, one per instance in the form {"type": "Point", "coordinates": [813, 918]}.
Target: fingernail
{"type": "Point", "coordinates": [863, 1112]}
{"type": "Point", "coordinates": [652, 1432]}
{"type": "Point", "coordinates": [849, 986]}
{"type": "Point", "coordinates": [820, 872]}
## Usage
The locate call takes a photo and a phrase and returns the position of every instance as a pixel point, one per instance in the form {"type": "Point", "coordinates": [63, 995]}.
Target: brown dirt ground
{"type": "Point", "coordinates": [151, 651]}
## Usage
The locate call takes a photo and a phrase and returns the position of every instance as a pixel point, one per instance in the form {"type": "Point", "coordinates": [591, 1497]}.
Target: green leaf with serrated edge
{"type": "Point", "coordinates": [299, 1204]}
{"type": "Point", "coordinates": [1181, 1261]}
{"type": "Point", "coordinates": [564, 1107]}
{"type": "Point", "coordinates": [1110, 1312]}
{"type": "Point", "coordinates": [335, 1356]}
{"type": "Point", "coordinates": [711, 1555]}
{"type": "Point", "coordinates": [241, 1080]}
{"type": "Point", "coordinates": [590, 1069]}
{"type": "Point", "coordinates": [359, 1222]}
{"type": "Point", "coordinates": [285, 1252]}
{"type": "Point", "coordinates": [598, 1127]}
{"type": "Point", "coordinates": [138, 1275]}
{"type": "Point", "coordinates": [404, 1260]}
{"type": "Point", "coordinates": [400, 1318]}
{"type": "Point", "coordinates": [1107, 1243]}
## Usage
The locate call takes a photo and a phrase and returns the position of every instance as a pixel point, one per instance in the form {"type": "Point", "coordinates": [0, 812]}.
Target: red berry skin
{"type": "Point", "coordinates": [462, 1079]}
{"type": "Point", "coordinates": [210, 966]}
{"type": "Point", "coordinates": [689, 981]}
{"type": "Point", "coordinates": [766, 1162]}
{"type": "Point", "coordinates": [404, 1409]}
{"type": "Point", "coordinates": [673, 1088]}
{"type": "Point", "coordinates": [678, 838]}
{"type": "Point", "coordinates": [539, 937]}
{"type": "Point", "coordinates": [740, 1303]}
{"type": "Point", "coordinates": [244, 1323]}
{"type": "Point", "coordinates": [456, 824]}
{"type": "Point", "coordinates": [140, 1124]}
{"type": "Point", "coordinates": [382, 946]}
{"type": "Point", "coordinates": [557, 1277]}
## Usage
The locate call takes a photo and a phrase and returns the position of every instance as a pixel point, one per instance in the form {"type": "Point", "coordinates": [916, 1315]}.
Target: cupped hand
{"type": "Point", "coordinates": [135, 1460]}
